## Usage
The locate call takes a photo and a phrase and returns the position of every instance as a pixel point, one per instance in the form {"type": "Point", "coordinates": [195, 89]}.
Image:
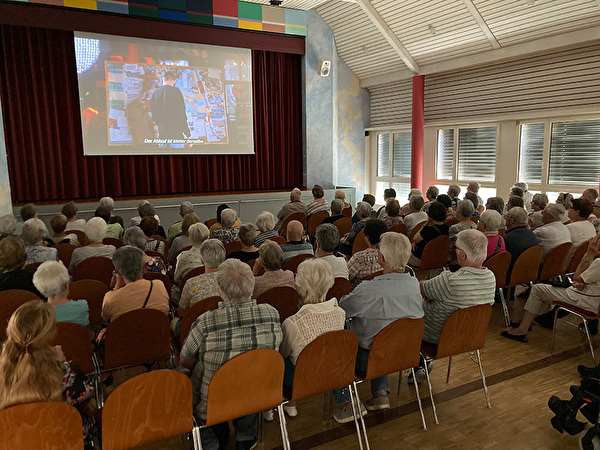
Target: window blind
{"type": "Point", "coordinates": [402, 152]}
{"type": "Point", "coordinates": [477, 153]}
{"type": "Point", "coordinates": [445, 154]}
{"type": "Point", "coordinates": [383, 155]}
{"type": "Point", "coordinates": [531, 154]}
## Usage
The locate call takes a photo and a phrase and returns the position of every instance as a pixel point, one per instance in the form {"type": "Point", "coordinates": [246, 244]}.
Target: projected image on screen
{"type": "Point", "coordinates": [155, 97]}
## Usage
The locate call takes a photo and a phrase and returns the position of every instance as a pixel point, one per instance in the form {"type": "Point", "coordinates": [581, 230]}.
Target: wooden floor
{"type": "Point", "coordinates": [521, 378]}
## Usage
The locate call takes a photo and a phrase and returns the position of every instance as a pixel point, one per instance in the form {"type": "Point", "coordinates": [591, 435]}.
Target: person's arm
{"type": "Point", "coordinates": [593, 250]}
{"type": "Point", "coordinates": [355, 302]}
{"type": "Point", "coordinates": [186, 362]}
{"type": "Point", "coordinates": [289, 336]}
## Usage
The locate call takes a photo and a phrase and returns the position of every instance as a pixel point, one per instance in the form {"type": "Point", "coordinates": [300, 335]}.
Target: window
{"type": "Point", "coordinates": [532, 149]}
{"type": "Point", "coordinates": [393, 163]}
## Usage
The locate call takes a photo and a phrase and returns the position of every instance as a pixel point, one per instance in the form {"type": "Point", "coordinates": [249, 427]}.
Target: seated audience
{"type": "Point", "coordinates": [453, 193]}
{"type": "Point", "coordinates": [115, 229]}
{"type": "Point", "coordinates": [337, 206]}
{"type": "Point", "coordinates": [513, 201]}
{"type": "Point", "coordinates": [271, 258]}
{"type": "Point", "coordinates": [496, 204]}
{"type": "Point", "coordinates": [239, 325]}
{"type": "Point", "coordinates": [566, 200]}
{"type": "Point", "coordinates": [295, 245]}
{"type": "Point", "coordinates": [149, 226]}
{"type": "Point", "coordinates": [318, 315]}
{"type": "Point", "coordinates": [516, 191]}
{"type": "Point", "coordinates": [538, 204]}
{"type": "Point", "coordinates": [417, 215]}
{"type": "Point", "coordinates": [389, 193]}
{"type": "Point", "coordinates": [553, 232]}
{"type": "Point", "coordinates": [592, 196]}
{"type": "Point", "coordinates": [265, 222]}
{"type": "Point", "coordinates": [444, 200]}
{"type": "Point", "coordinates": [135, 237]}
{"type": "Point", "coordinates": [405, 210]}
{"type": "Point", "coordinates": [327, 236]}
{"type": "Point", "coordinates": [475, 200]}
{"type": "Point", "coordinates": [580, 229]}
{"type": "Point", "coordinates": [8, 226]}
{"type": "Point", "coordinates": [463, 213]}
{"type": "Point", "coordinates": [392, 213]}
{"type": "Point", "coordinates": [366, 262]}
{"type": "Point", "coordinates": [175, 230]}
{"type": "Point", "coordinates": [52, 280]}
{"type": "Point", "coordinates": [131, 290]}
{"type": "Point", "coordinates": [95, 231]}
{"type": "Point", "coordinates": [371, 307]}
{"type": "Point", "coordinates": [294, 206]}
{"type": "Point", "coordinates": [488, 224]}
{"type": "Point", "coordinates": [318, 203]}
{"type": "Point", "coordinates": [518, 237]}
{"type": "Point", "coordinates": [60, 236]}
{"type": "Point", "coordinates": [226, 233]}
{"type": "Point", "coordinates": [190, 259]}
{"type": "Point", "coordinates": [69, 210]}
{"type": "Point", "coordinates": [12, 262]}
{"type": "Point", "coordinates": [431, 196]}
{"type": "Point", "coordinates": [584, 293]}
{"type": "Point", "coordinates": [433, 228]}
{"type": "Point", "coordinates": [33, 234]}
{"type": "Point", "coordinates": [527, 196]}
{"type": "Point", "coordinates": [212, 252]}
{"type": "Point", "coordinates": [146, 209]}
{"type": "Point", "coordinates": [218, 225]}
{"type": "Point", "coordinates": [247, 236]}
{"type": "Point", "coordinates": [341, 195]}
{"type": "Point", "coordinates": [183, 241]}
{"type": "Point", "coordinates": [370, 199]}
{"type": "Point", "coordinates": [27, 211]}
{"type": "Point", "coordinates": [363, 212]}
{"type": "Point", "coordinates": [473, 187]}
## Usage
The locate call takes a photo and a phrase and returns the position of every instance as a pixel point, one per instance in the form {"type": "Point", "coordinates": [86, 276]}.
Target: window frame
{"type": "Point", "coordinates": [374, 178]}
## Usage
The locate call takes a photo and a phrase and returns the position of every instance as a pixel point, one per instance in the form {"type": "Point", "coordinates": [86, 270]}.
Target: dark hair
{"type": "Point", "coordinates": [516, 201]}
{"type": "Point", "coordinates": [317, 191]}
{"type": "Point", "coordinates": [583, 207]}
{"type": "Point", "coordinates": [69, 209]}
{"type": "Point", "coordinates": [149, 225]}
{"type": "Point", "coordinates": [220, 209]}
{"type": "Point", "coordinates": [103, 212]}
{"type": "Point", "coordinates": [473, 197]}
{"type": "Point", "coordinates": [389, 193]}
{"type": "Point", "coordinates": [28, 211]}
{"type": "Point", "coordinates": [444, 200]}
{"type": "Point", "coordinates": [437, 211]}
{"type": "Point", "coordinates": [369, 198]}
{"type": "Point", "coordinates": [374, 228]}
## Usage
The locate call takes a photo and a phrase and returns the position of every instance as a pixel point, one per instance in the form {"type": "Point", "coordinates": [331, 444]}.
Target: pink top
{"type": "Point", "coordinates": [493, 244]}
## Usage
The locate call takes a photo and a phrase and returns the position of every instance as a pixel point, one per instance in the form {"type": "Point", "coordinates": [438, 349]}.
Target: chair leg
{"type": "Point", "coordinates": [327, 401]}
{"type": "Point", "coordinates": [399, 382]}
{"type": "Point", "coordinates": [412, 369]}
{"type": "Point", "coordinates": [449, 365]}
{"type": "Point", "coordinates": [554, 329]}
{"type": "Point", "coordinates": [430, 393]}
{"type": "Point", "coordinates": [485, 389]}
{"type": "Point", "coordinates": [505, 309]}
{"type": "Point", "coordinates": [285, 438]}
{"type": "Point", "coordinates": [362, 419]}
{"type": "Point", "coordinates": [356, 414]}
{"type": "Point", "coordinates": [196, 437]}
{"type": "Point", "coordinates": [260, 429]}
{"type": "Point", "coordinates": [589, 338]}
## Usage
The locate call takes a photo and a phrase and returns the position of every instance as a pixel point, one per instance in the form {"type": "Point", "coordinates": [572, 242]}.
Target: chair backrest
{"type": "Point", "coordinates": [283, 298]}
{"type": "Point", "coordinates": [45, 425]}
{"type": "Point", "coordinates": [464, 331]}
{"type": "Point", "coordinates": [81, 237]}
{"type": "Point", "coordinates": [326, 363]}
{"type": "Point", "coordinates": [10, 300]}
{"type": "Point", "coordinates": [344, 225]}
{"type": "Point", "coordinates": [499, 264]}
{"type": "Point", "coordinates": [93, 292]}
{"type": "Point", "coordinates": [112, 241]}
{"type": "Point", "coordinates": [154, 253]}
{"type": "Point", "coordinates": [210, 222]}
{"type": "Point", "coordinates": [451, 221]}
{"type": "Point", "coordinates": [137, 337]}
{"type": "Point", "coordinates": [94, 268]}
{"type": "Point", "coordinates": [359, 243]}
{"type": "Point", "coordinates": [474, 219]}
{"type": "Point", "coordinates": [76, 343]}
{"type": "Point", "coordinates": [435, 253]}
{"type": "Point", "coordinates": [191, 274]}
{"type": "Point", "coordinates": [249, 382]}
{"type": "Point", "coordinates": [577, 257]}
{"type": "Point", "coordinates": [293, 263]}
{"type": "Point", "coordinates": [416, 229]}
{"type": "Point", "coordinates": [34, 265]}
{"type": "Point", "coordinates": [233, 246]}
{"type": "Point", "coordinates": [65, 251]}
{"type": "Point", "coordinates": [526, 266]}
{"type": "Point", "coordinates": [164, 241]}
{"type": "Point", "coordinates": [195, 311]}
{"type": "Point", "coordinates": [300, 217]}
{"type": "Point", "coordinates": [152, 406]}
{"type": "Point", "coordinates": [395, 348]}
{"type": "Point", "coordinates": [341, 287]}
{"type": "Point", "coordinates": [556, 261]}
{"type": "Point", "coordinates": [315, 220]}
{"type": "Point", "coordinates": [159, 276]}
{"type": "Point", "coordinates": [279, 239]}
{"type": "Point", "coordinates": [347, 211]}
{"type": "Point", "coordinates": [399, 228]}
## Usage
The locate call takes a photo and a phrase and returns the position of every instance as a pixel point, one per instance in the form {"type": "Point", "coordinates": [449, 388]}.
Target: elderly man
{"type": "Point", "coordinates": [175, 229]}
{"type": "Point", "coordinates": [417, 215]}
{"type": "Point", "coordinates": [372, 306]}
{"type": "Point", "coordinates": [337, 206]}
{"type": "Point", "coordinates": [295, 246]}
{"type": "Point", "coordinates": [553, 232]}
{"type": "Point", "coordinates": [226, 233]}
{"type": "Point", "coordinates": [237, 326]}
{"type": "Point", "coordinates": [538, 204]}
{"type": "Point", "coordinates": [294, 206]}
{"type": "Point", "coordinates": [405, 210]}
{"type": "Point", "coordinates": [473, 187]}
{"type": "Point", "coordinates": [527, 196]}
{"type": "Point", "coordinates": [132, 291]}
{"type": "Point", "coordinates": [327, 236]}
{"type": "Point", "coordinates": [431, 196]}
{"type": "Point", "coordinates": [453, 193]}
{"type": "Point", "coordinates": [592, 196]}
{"type": "Point", "coordinates": [366, 262]}
{"type": "Point", "coordinates": [518, 237]}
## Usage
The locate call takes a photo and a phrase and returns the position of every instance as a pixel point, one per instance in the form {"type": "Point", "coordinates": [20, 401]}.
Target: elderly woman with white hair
{"type": "Point", "coordinates": [33, 234]}
{"type": "Point", "coordinates": [226, 233]}
{"type": "Point", "coordinates": [265, 222]}
{"type": "Point", "coordinates": [137, 238]}
{"type": "Point", "coordinates": [95, 230]}
{"type": "Point", "coordinates": [247, 236]}
{"type": "Point", "coordinates": [489, 222]}
{"type": "Point", "coordinates": [52, 280]}
{"type": "Point", "coordinates": [191, 259]}
{"type": "Point", "coordinates": [271, 258]}
{"type": "Point", "coordinates": [8, 226]}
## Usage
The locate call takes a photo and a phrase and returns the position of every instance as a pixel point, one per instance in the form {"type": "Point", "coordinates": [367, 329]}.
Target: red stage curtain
{"type": "Point", "coordinates": [38, 88]}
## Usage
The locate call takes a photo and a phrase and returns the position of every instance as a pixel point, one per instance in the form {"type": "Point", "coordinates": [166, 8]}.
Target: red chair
{"type": "Point", "coordinates": [113, 241]}
{"type": "Point", "coordinates": [159, 276]}
{"type": "Point", "coordinates": [34, 265]}
{"type": "Point", "coordinates": [399, 228]}
{"type": "Point", "coordinates": [359, 243]}
{"type": "Point", "coordinates": [10, 300]}
{"type": "Point", "coordinates": [210, 222]}
{"type": "Point", "coordinates": [315, 220]}
{"type": "Point", "coordinates": [293, 263]}
{"type": "Point", "coordinates": [81, 237]}
{"type": "Point", "coordinates": [283, 298]}
{"type": "Point", "coordinates": [93, 292]}
{"type": "Point", "coordinates": [233, 246]}
{"type": "Point", "coordinates": [347, 212]}
{"type": "Point", "coordinates": [65, 251]}
{"type": "Point", "coordinates": [300, 217]}
{"type": "Point", "coordinates": [94, 268]}
{"type": "Point", "coordinates": [154, 254]}
{"type": "Point", "coordinates": [279, 239]}
{"type": "Point", "coordinates": [341, 287]}
{"type": "Point", "coordinates": [344, 225]}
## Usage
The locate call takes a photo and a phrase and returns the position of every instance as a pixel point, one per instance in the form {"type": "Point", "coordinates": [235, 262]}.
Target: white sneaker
{"type": "Point", "coordinates": [290, 410]}
{"type": "Point", "coordinates": [268, 415]}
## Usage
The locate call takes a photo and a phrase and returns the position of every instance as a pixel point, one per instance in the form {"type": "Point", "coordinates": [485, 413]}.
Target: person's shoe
{"type": "Point", "coordinates": [515, 337]}
{"type": "Point", "coordinates": [246, 445]}
{"type": "Point", "coordinates": [592, 327]}
{"type": "Point", "coordinates": [517, 325]}
{"type": "Point", "coordinates": [587, 372]}
{"type": "Point", "coordinates": [268, 415]}
{"type": "Point", "coordinates": [345, 415]}
{"type": "Point", "coordinates": [377, 403]}
{"type": "Point", "coordinates": [290, 410]}
{"type": "Point", "coordinates": [420, 374]}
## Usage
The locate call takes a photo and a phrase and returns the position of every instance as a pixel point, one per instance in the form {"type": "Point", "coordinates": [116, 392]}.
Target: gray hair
{"type": "Point", "coordinates": [541, 200]}
{"type": "Point", "coordinates": [363, 209]}
{"type": "Point", "coordinates": [8, 225]}
{"type": "Point", "coordinates": [271, 255]}
{"type": "Point", "coordinates": [433, 191]}
{"type": "Point", "coordinates": [146, 209]}
{"type": "Point", "coordinates": [186, 208]}
{"type": "Point", "coordinates": [228, 217]}
{"type": "Point", "coordinates": [340, 195]}
{"type": "Point", "coordinates": [473, 186]}
{"type": "Point", "coordinates": [337, 206]}
{"type": "Point", "coordinates": [466, 208]}
{"type": "Point", "coordinates": [198, 233]}
{"type": "Point", "coordinates": [492, 219]}
{"type": "Point", "coordinates": [212, 252]}
{"type": "Point", "coordinates": [95, 229]}
{"type": "Point", "coordinates": [51, 278]}
{"type": "Point", "coordinates": [135, 236]}
{"type": "Point", "coordinates": [555, 210]}
{"type": "Point", "coordinates": [328, 236]}
{"type": "Point", "coordinates": [313, 280]}
{"type": "Point", "coordinates": [129, 262]}
{"type": "Point", "coordinates": [236, 281]}
{"type": "Point", "coordinates": [495, 203]}
{"type": "Point", "coordinates": [454, 189]}
{"type": "Point", "coordinates": [395, 248]}
{"type": "Point", "coordinates": [296, 194]}
{"type": "Point", "coordinates": [415, 191]}
{"type": "Point", "coordinates": [33, 232]}
{"type": "Point", "coordinates": [247, 234]}
{"type": "Point", "coordinates": [474, 244]}
{"type": "Point", "coordinates": [523, 186]}
{"type": "Point", "coordinates": [265, 221]}
{"type": "Point", "coordinates": [518, 214]}
{"type": "Point", "coordinates": [107, 202]}
{"type": "Point", "coordinates": [417, 202]}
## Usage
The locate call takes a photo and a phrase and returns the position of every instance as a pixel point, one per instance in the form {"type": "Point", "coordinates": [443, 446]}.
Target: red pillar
{"type": "Point", "coordinates": [418, 121]}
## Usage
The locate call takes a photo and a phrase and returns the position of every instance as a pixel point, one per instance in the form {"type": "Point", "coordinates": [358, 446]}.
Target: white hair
{"type": "Point", "coordinates": [466, 208]}
{"type": "Point", "coordinates": [491, 219]}
{"type": "Point", "coordinates": [395, 248]}
{"type": "Point", "coordinates": [265, 221]}
{"type": "Point", "coordinates": [236, 281]}
{"type": "Point", "coordinates": [198, 233]}
{"type": "Point", "coordinates": [33, 231]}
{"type": "Point", "coordinates": [228, 217]}
{"type": "Point", "coordinates": [555, 210]}
{"type": "Point", "coordinates": [95, 229]}
{"type": "Point", "coordinates": [313, 280]}
{"type": "Point", "coordinates": [8, 225]}
{"type": "Point", "coordinates": [415, 191]}
{"type": "Point", "coordinates": [212, 252]}
{"type": "Point", "coordinates": [136, 237]}
{"type": "Point", "coordinates": [363, 209]}
{"type": "Point", "coordinates": [107, 202]}
{"type": "Point", "coordinates": [186, 207]}
{"type": "Point", "coordinates": [296, 194]}
{"type": "Point", "coordinates": [474, 186]}
{"type": "Point", "coordinates": [474, 244]}
{"type": "Point", "coordinates": [51, 278]}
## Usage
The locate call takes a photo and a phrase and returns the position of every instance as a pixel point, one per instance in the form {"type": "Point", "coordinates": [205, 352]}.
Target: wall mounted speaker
{"type": "Point", "coordinates": [324, 67]}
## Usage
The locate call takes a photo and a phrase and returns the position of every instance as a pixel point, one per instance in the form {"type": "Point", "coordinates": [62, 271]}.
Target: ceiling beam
{"type": "Point", "coordinates": [540, 46]}
{"type": "Point", "coordinates": [389, 35]}
{"type": "Point", "coordinates": [482, 23]}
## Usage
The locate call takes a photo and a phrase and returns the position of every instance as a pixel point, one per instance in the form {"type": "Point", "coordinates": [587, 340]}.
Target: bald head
{"type": "Point", "coordinates": [295, 230]}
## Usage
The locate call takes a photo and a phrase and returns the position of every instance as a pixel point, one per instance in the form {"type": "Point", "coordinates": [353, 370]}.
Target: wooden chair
{"type": "Point", "coordinates": [359, 243]}
{"type": "Point", "coordinates": [399, 228]}
{"type": "Point", "coordinates": [94, 268]}
{"type": "Point", "coordinates": [154, 254]}
{"type": "Point", "coordinates": [113, 241]}
{"type": "Point", "coordinates": [195, 311]}
{"type": "Point", "coordinates": [347, 212]}
{"type": "Point", "coordinates": [65, 251]}
{"type": "Point", "coordinates": [10, 300]}
{"type": "Point", "coordinates": [577, 257]}
{"type": "Point", "coordinates": [464, 331]}
{"type": "Point", "coordinates": [191, 274]}
{"type": "Point", "coordinates": [451, 221]}
{"type": "Point", "coordinates": [416, 229]}
{"type": "Point", "coordinates": [293, 263]}
{"type": "Point", "coordinates": [76, 343]}
{"type": "Point", "coordinates": [279, 239]}
{"type": "Point", "coordinates": [41, 425]}
{"type": "Point", "coordinates": [283, 298]}
{"type": "Point", "coordinates": [344, 225]}
{"type": "Point", "coordinates": [81, 237]}
{"type": "Point", "coordinates": [341, 287]}
{"type": "Point", "coordinates": [435, 253]}
{"type": "Point", "coordinates": [300, 217]}
{"type": "Point", "coordinates": [315, 220]}
{"type": "Point", "coordinates": [233, 246]}
{"type": "Point", "coordinates": [93, 292]}
{"type": "Point", "coordinates": [150, 407]}
{"type": "Point", "coordinates": [499, 264]}
{"type": "Point", "coordinates": [210, 222]}
{"type": "Point", "coordinates": [474, 219]}
{"type": "Point", "coordinates": [246, 384]}
{"type": "Point", "coordinates": [159, 276]}
{"type": "Point", "coordinates": [395, 348]}
{"type": "Point", "coordinates": [325, 364]}
{"type": "Point", "coordinates": [34, 265]}
{"type": "Point", "coordinates": [556, 261]}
